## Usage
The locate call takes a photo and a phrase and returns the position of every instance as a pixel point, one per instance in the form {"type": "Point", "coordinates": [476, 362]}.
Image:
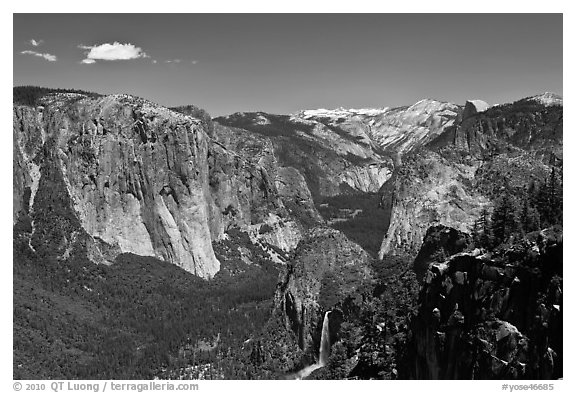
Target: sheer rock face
{"type": "Point", "coordinates": [526, 124]}
{"type": "Point", "coordinates": [429, 190]}
{"type": "Point", "coordinates": [139, 177]}
{"type": "Point", "coordinates": [290, 184]}
{"type": "Point", "coordinates": [448, 181]}
{"type": "Point", "coordinates": [28, 138]}
{"type": "Point", "coordinates": [496, 316]}
{"type": "Point", "coordinates": [348, 149]}
{"type": "Point", "coordinates": [393, 130]}
{"type": "Point", "coordinates": [332, 159]}
{"type": "Point", "coordinates": [293, 189]}
{"type": "Point", "coordinates": [473, 107]}
{"type": "Point", "coordinates": [439, 243]}
{"type": "Point", "coordinates": [326, 269]}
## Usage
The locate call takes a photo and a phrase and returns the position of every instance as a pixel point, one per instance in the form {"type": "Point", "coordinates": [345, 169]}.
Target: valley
{"type": "Point", "coordinates": [417, 242]}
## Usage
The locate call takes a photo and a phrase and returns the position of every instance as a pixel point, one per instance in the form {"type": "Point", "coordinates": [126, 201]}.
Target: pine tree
{"type": "Point", "coordinates": [337, 363]}
{"type": "Point", "coordinates": [504, 221]}
{"type": "Point", "coordinates": [476, 232]}
{"type": "Point", "coordinates": [555, 198]}
{"type": "Point", "coordinates": [529, 216]}
{"type": "Point", "coordinates": [549, 200]}
{"type": "Point", "coordinates": [482, 230]}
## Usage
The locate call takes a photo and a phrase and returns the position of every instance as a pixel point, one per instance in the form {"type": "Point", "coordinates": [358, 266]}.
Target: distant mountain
{"type": "Point", "coordinates": [159, 242]}
{"type": "Point", "coordinates": [332, 159]}
{"type": "Point", "coordinates": [432, 157]}
{"type": "Point", "coordinates": [547, 99]}
{"type": "Point", "coordinates": [455, 176]}
{"type": "Point", "coordinates": [395, 131]}
{"type": "Point", "coordinates": [348, 150]}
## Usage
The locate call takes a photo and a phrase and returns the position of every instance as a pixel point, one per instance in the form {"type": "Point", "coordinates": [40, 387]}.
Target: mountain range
{"type": "Point", "coordinates": [254, 227]}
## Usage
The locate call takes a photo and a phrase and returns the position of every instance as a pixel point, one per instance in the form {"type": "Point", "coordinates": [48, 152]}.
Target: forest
{"type": "Point", "coordinates": [136, 319]}
{"type": "Point", "coordinates": [367, 227]}
{"type": "Point", "coordinates": [31, 95]}
{"type": "Point", "coordinates": [142, 318]}
{"type": "Point", "coordinates": [519, 211]}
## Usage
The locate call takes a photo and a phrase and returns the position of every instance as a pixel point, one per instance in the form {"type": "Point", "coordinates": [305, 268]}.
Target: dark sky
{"type": "Point", "coordinates": [282, 63]}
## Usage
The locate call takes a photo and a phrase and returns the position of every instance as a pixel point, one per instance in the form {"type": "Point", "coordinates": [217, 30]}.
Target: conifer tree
{"type": "Point", "coordinates": [504, 221]}
{"type": "Point", "coordinates": [549, 200]}
{"type": "Point", "coordinates": [529, 216]}
{"type": "Point", "coordinates": [482, 230]}
{"type": "Point", "coordinates": [555, 198]}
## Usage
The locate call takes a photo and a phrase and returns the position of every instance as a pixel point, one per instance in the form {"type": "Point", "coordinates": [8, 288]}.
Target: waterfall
{"type": "Point", "coordinates": [324, 352]}
{"type": "Point", "coordinates": [325, 341]}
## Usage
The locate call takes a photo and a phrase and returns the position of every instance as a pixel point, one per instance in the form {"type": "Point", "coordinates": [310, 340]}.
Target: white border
{"type": "Point", "coordinates": [358, 6]}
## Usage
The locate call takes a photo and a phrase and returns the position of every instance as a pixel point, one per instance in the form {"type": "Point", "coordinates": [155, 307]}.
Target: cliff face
{"type": "Point", "coordinates": [439, 243]}
{"type": "Point", "coordinates": [331, 159]}
{"type": "Point", "coordinates": [483, 316]}
{"type": "Point", "coordinates": [451, 179]}
{"type": "Point", "coordinates": [428, 190]}
{"type": "Point", "coordinates": [136, 177]}
{"type": "Point", "coordinates": [472, 107]}
{"type": "Point", "coordinates": [290, 185]}
{"type": "Point", "coordinates": [395, 131]}
{"type": "Point", "coordinates": [326, 269]}
{"type": "Point", "coordinates": [527, 124]}
{"type": "Point", "coordinates": [345, 150]}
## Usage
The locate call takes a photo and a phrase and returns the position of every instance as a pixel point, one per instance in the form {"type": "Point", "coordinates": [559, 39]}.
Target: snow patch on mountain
{"type": "Point", "coordinates": [339, 112]}
{"type": "Point", "coordinates": [397, 130]}
{"type": "Point", "coordinates": [548, 99]}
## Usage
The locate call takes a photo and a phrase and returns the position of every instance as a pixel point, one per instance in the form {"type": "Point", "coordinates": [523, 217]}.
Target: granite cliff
{"type": "Point", "coordinates": [134, 177]}
{"type": "Point", "coordinates": [326, 269]}
{"type": "Point", "coordinates": [347, 150]}
{"type": "Point", "coordinates": [237, 200]}
{"type": "Point", "coordinates": [451, 179]}
{"type": "Point", "coordinates": [494, 315]}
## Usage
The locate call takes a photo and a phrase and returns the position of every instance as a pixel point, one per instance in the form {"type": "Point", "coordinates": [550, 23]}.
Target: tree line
{"type": "Point", "coordinates": [537, 206]}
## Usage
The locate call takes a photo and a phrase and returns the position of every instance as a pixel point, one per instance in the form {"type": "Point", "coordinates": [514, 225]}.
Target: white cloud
{"type": "Point", "coordinates": [110, 52]}
{"type": "Point", "coordinates": [194, 61]}
{"type": "Point", "coordinates": [46, 56]}
{"type": "Point", "coordinates": [33, 42]}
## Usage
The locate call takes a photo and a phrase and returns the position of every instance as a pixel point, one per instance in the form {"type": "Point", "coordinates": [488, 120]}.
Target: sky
{"type": "Point", "coordinates": [282, 63]}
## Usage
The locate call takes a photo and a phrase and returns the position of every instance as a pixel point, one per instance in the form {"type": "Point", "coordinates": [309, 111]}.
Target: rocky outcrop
{"type": "Point", "coordinates": [137, 177]}
{"type": "Point", "coordinates": [345, 150]}
{"type": "Point", "coordinates": [439, 243]}
{"type": "Point", "coordinates": [395, 131]}
{"type": "Point", "coordinates": [294, 191]}
{"type": "Point", "coordinates": [491, 316]}
{"type": "Point", "coordinates": [326, 269]}
{"type": "Point", "coordinates": [290, 184]}
{"type": "Point", "coordinates": [548, 99]}
{"type": "Point", "coordinates": [527, 125]}
{"type": "Point", "coordinates": [473, 107]}
{"type": "Point", "coordinates": [28, 138]}
{"type": "Point", "coordinates": [332, 159]}
{"type": "Point", "coordinates": [451, 179]}
{"type": "Point", "coordinates": [429, 190]}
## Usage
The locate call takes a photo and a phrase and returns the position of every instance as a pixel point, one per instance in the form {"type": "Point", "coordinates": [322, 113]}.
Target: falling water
{"type": "Point", "coordinates": [324, 351]}
{"type": "Point", "coordinates": [325, 341]}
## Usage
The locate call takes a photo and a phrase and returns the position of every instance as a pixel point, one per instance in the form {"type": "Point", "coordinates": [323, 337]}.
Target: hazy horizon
{"type": "Point", "coordinates": [282, 63]}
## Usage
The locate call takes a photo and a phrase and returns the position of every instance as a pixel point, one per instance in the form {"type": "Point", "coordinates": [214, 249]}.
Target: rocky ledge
{"type": "Point", "coordinates": [491, 315]}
